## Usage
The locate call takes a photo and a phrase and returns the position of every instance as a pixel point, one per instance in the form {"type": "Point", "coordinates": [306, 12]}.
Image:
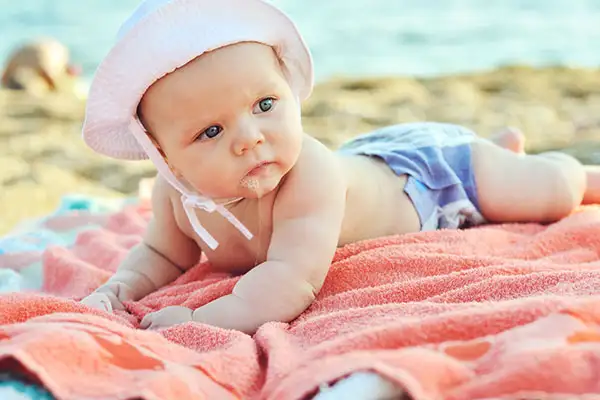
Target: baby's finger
{"type": "Point", "coordinates": [147, 321]}
{"type": "Point", "coordinates": [122, 293]}
{"type": "Point", "coordinates": [98, 301]}
{"type": "Point", "coordinates": [155, 324]}
{"type": "Point", "coordinates": [115, 302]}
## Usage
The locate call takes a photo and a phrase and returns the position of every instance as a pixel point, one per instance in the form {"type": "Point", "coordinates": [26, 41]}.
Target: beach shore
{"type": "Point", "coordinates": [43, 158]}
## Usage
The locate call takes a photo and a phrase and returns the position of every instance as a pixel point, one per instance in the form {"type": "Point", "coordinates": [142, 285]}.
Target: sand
{"type": "Point", "coordinates": [42, 156]}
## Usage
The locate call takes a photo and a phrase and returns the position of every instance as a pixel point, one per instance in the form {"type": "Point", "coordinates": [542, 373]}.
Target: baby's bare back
{"type": "Point", "coordinates": [376, 205]}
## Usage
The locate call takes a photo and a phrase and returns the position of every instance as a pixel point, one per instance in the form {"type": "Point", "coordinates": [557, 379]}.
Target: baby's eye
{"type": "Point", "coordinates": [210, 132]}
{"type": "Point", "coordinates": [265, 105]}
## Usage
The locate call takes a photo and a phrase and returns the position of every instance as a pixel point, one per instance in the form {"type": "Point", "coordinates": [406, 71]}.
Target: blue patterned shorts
{"type": "Point", "coordinates": [437, 159]}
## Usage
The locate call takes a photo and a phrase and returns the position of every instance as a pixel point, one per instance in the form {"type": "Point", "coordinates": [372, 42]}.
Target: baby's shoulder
{"type": "Point", "coordinates": [315, 154]}
{"type": "Point", "coordinates": [162, 191]}
{"type": "Point", "coordinates": [163, 199]}
{"type": "Point", "coordinates": [314, 171]}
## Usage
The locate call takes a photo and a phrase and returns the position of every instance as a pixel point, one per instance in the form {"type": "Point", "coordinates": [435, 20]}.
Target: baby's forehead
{"type": "Point", "coordinates": [236, 58]}
{"type": "Point", "coordinates": [236, 73]}
{"type": "Point", "coordinates": [247, 64]}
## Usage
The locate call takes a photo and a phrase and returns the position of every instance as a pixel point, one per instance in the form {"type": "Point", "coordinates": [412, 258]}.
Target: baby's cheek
{"type": "Point", "coordinates": [292, 145]}
{"type": "Point", "coordinates": [202, 183]}
{"type": "Point", "coordinates": [214, 182]}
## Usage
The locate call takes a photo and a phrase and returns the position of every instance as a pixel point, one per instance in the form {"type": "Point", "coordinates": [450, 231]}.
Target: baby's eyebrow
{"type": "Point", "coordinates": [189, 132]}
{"type": "Point", "coordinates": [187, 136]}
{"type": "Point", "coordinates": [269, 85]}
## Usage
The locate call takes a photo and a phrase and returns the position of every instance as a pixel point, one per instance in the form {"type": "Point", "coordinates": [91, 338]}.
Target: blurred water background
{"type": "Point", "coordinates": [360, 37]}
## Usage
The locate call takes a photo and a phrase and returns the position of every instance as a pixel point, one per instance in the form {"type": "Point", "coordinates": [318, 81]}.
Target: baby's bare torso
{"type": "Point", "coordinates": [376, 206]}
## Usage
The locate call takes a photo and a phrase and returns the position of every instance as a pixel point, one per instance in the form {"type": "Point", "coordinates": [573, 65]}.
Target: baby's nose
{"type": "Point", "coordinates": [247, 139]}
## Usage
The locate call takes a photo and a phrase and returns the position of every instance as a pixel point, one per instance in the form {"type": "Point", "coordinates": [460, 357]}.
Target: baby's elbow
{"type": "Point", "coordinates": [296, 301]}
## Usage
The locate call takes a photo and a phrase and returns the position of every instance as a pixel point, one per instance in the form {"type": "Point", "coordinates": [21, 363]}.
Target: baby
{"type": "Point", "coordinates": [211, 93]}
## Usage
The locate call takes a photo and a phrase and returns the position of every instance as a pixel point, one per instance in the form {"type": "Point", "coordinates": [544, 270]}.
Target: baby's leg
{"type": "Point", "coordinates": [514, 140]}
{"type": "Point", "coordinates": [515, 187]}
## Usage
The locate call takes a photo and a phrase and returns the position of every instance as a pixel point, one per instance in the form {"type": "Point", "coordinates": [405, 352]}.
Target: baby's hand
{"type": "Point", "coordinates": [168, 316]}
{"type": "Point", "coordinates": [109, 297]}
{"type": "Point", "coordinates": [100, 301]}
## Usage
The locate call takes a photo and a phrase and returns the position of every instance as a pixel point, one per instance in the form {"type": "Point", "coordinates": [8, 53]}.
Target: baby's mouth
{"type": "Point", "coordinates": [258, 168]}
{"type": "Point", "coordinates": [251, 179]}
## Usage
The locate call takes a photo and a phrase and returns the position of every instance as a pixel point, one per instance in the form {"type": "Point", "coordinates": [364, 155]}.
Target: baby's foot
{"type": "Point", "coordinates": [510, 138]}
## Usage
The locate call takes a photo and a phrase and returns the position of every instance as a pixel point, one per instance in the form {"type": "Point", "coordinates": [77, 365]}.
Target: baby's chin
{"type": "Point", "coordinates": [255, 188]}
{"type": "Point", "coordinates": [250, 189]}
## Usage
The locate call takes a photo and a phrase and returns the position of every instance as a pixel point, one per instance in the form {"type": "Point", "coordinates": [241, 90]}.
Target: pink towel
{"type": "Point", "coordinates": [499, 311]}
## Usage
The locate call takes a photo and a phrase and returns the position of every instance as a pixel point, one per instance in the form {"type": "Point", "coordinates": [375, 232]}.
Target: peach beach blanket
{"type": "Point", "coordinates": [507, 311]}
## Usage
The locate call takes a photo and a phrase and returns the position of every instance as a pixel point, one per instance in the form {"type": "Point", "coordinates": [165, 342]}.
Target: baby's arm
{"type": "Point", "coordinates": [307, 219]}
{"type": "Point", "coordinates": [164, 253]}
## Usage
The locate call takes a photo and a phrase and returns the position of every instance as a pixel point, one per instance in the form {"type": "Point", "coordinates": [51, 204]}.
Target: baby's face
{"type": "Point", "coordinates": [227, 121]}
